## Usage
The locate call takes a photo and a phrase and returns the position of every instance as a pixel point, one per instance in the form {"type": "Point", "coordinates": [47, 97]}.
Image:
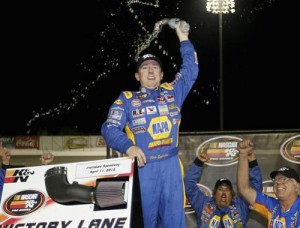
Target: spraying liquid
{"type": "Point", "coordinates": [172, 22]}
{"type": "Point", "coordinates": [79, 93]}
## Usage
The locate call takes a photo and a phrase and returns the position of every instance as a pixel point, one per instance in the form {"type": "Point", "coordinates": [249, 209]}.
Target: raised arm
{"type": "Point", "coordinates": [245, 148]}
{"type": "Point", "coordinates": [193, 193]}
{"type": "Point", "coordinates": [255, 172]}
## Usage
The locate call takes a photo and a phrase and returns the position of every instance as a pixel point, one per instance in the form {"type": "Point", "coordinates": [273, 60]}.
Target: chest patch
{"type": "Point", "coordinates": [160, 127]}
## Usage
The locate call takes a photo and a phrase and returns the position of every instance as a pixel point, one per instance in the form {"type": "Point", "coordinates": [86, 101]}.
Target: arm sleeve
{"type": "Point", "coordinates": [188, 72]}
{"type": "Point", "coordinates": [194, 195]}
{"type": "Point", "coordinates": [112, 129]}
{"type": "Point", "coordinates": [255, 176]}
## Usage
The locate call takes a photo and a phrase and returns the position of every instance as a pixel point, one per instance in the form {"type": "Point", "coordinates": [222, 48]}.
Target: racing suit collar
{"type": "Point", "coordinates": [147, 90]}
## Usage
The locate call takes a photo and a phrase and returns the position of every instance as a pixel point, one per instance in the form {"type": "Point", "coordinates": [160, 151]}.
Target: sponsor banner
{"type": "Point", "coordinates": [100, 142]}
{"type": "Point", "coordinates": [8, 142]}
{"type": "Point", "coordinates": [222, 150]}
{"type": "Point", "coordinates": [76, 142]}
{"type": "Point", "coordinates": [290, 149]}
{"type": "Point", "coordinates": [77, 195]}
{"type": "Point", "coordinates": [27, 142]}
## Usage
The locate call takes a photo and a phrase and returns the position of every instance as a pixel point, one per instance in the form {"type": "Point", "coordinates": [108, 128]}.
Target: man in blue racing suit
{"type": "Point", "coordinates": [151, 118]}
{"type": "Point", "coordinates": [223, 209]}
{"type": "Point", "coordinates": [281, 211]}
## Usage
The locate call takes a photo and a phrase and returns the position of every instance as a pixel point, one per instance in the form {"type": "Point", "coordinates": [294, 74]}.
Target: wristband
{"type": "Point", "coordinates": [198, 162]}
{"type": "Point", "coordinates": [253, 163]}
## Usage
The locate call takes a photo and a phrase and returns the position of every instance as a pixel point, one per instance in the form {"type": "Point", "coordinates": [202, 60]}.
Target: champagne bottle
{"type": "Point", "coordinates": [174, 22]}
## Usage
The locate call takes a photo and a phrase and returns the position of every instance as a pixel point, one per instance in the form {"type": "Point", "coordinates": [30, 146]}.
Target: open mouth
{"type": "Point", "coordinates": [223, 197]}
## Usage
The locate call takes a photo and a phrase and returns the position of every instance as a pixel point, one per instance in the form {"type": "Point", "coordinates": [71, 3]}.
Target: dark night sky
{"type": "Point", "coordinates": [60, 56]}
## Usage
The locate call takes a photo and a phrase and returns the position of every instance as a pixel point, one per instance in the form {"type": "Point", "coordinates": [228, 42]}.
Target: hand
{"type": "Point", "coordinates": [203, 157]}
{"type": "Point", "coordinates": [182, 35]}
{"type": "Point", "coordinates": [135, 151]}
{"type": "Point", "coordinates": [47, 158]}
{"type": "Point", "coordinates": [251, 156]}
{"type": "Point", "coordinates": [6, 155]}
{"type": "Point", "coordinates": [245, 147]}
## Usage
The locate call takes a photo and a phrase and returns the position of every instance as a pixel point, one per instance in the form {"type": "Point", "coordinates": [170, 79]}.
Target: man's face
{"type": "Point", "coordinates": [149, 74]}
{"type": "Point", "coordinates": [223, 195]}
{"type": "Point", "coordinates": [284, 187]}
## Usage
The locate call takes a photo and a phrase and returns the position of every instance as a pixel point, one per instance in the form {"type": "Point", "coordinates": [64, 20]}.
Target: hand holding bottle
{"type": "Point", "coordinates": [174, 22]}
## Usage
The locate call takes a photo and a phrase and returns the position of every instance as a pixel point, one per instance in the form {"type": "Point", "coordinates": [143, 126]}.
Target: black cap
{"type": "Point", "coordinates": [287, 172]}
{"type": "Point", "coordinates": [223, 181]}
{"type": "Point", "coordinates": [145, 57]}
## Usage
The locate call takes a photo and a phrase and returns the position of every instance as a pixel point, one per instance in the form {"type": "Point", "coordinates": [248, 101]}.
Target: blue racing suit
{"type": "Point", "coordinates": [151, 120]}
{"type": "Point", "coordinates": [2, 179]}
{"type": "Point", "coordinates": [206, 210]}
{"type": "Point", "coordinates": [270, 208]}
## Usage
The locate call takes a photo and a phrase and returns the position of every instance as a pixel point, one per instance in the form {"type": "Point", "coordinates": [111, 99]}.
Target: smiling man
{"type": "Point", "coordinates": [282, 211]}
{"type": "Point", "coordinates": [151, 119]}
{"type": "Point", "coordinates": [224, 208]}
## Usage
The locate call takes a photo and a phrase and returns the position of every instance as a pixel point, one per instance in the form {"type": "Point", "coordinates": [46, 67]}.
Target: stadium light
{"type": "Point", "coordinates": [220, 7]}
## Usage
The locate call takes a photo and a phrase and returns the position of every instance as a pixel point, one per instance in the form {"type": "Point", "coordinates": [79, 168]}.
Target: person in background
{"type": "Point", "coordinates": [46, 158]}
{"type": "Point", "coordinates": [151, 118]}
{"type": "Point", "coordinates": [224, 208]}
{"type": "Point", "coordinates": [282, 211]}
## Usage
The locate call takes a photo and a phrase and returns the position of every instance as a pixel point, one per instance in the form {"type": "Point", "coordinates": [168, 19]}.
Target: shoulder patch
{"type": "Point", "coordinates": [167, 86]}
{"type": "Point", "coordinates": [118, 102]}
{"type": "Point", "coordinates": [128, 94]}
